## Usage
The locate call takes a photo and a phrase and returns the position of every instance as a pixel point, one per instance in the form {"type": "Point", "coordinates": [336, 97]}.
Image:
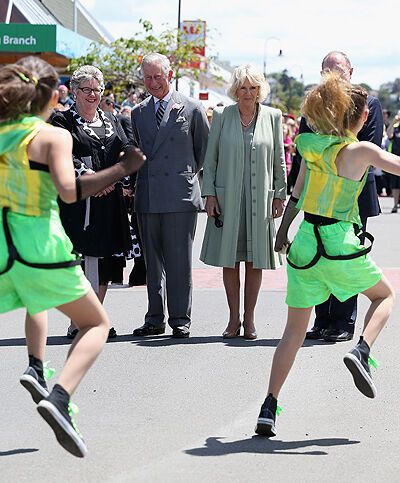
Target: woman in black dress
{"type": "Point", "coordinates": [99, 226]}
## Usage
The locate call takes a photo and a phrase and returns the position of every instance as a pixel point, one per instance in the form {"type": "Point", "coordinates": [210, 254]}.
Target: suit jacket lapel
{"type": "Point", "coordinates": [167, 122]}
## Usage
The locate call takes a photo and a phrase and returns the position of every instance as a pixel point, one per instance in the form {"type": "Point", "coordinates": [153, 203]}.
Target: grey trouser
{"type": "Point", "coordinates": [167, 245]}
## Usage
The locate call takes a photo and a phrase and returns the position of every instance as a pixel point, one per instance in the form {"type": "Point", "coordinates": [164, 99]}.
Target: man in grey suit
{"type": "Point", "coordinates": [172, 131]}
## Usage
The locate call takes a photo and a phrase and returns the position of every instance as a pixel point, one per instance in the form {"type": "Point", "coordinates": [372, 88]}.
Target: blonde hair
{"type": "Point", "coordinates": [239, 76]}
{"type": "Point", "coordinates": [334, 106]}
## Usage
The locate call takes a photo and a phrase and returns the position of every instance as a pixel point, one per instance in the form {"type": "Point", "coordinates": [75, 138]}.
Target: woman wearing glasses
{"type": "Point", "coordinates": [245, 187]}
{"type": "Point", "coordinates": [99, 226]}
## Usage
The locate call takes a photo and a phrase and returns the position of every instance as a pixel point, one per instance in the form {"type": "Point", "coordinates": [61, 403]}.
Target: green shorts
{"type": "Point", "coordinates": [342, 278]}
{"type": "Point", "coordinates": [38, 240]}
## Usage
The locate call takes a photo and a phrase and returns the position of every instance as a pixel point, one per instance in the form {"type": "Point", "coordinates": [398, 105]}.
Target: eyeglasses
{"type": "Point", "coordinates": [88, 90]}
{"type": "Point", "coordinates": [217, 222]}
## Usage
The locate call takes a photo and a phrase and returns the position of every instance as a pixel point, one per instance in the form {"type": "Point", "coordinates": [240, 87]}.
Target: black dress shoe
{"type": "Point", "coordinates": [315, 333]}
{"type": "Point", "coordinates": [148, 329]}
{"type": "Point", "coordinates": [337, 335]}
{"type": "Point", "coordinates": [180, 332]}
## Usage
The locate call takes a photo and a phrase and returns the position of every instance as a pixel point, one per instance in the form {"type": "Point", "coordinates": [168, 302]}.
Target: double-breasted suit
{"type": "Point", "coordinates": [167, 199]}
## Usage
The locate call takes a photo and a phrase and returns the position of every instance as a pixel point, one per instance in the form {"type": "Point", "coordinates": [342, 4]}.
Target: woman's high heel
{"type": "Point", "coordinates": [231, 335]}
{"type": "Point", "coordinates": [249, 335]}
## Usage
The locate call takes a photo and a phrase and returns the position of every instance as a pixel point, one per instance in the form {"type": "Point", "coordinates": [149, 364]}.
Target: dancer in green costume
{"type": "Point", "coordinates": [326, 255]}
{"type": "Point", "coordinates": [37, 269]}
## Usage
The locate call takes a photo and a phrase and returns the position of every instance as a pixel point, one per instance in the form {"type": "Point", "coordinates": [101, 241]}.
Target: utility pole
{"type": "Point", "coordinates": [177, 35]}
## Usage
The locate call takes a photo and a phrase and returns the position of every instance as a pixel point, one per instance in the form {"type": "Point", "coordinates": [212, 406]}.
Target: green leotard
{"type": "Point", "coordinates": [35, 228]}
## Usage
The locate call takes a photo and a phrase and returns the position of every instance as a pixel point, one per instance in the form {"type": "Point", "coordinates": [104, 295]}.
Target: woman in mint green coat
{"type": "Point", "coordinates": [245, 187]}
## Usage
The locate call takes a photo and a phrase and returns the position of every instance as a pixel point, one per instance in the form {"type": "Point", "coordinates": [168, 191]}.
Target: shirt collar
{"type": "Point", "coordinates": [164, 99]}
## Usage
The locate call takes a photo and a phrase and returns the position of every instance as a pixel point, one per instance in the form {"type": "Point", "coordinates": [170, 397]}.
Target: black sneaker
{"type": "Point", "coordinates": [266, 419]}
{"type": "Point", "coordinates": [60, 421]}
{"type": "Point", "coordinates": [35, 384]}
{"type": "Point", "coordinates": [357, 363]}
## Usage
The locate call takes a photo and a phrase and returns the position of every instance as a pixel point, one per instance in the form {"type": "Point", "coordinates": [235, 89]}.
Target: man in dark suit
{"type": "Point", "coordinates": [172, 130]}
{"type": "Point", "coordinates": [335, 320]}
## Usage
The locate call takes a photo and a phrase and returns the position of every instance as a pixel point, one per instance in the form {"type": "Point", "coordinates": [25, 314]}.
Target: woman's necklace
{"type": "Point", "coordinates": [251, 120]}
{"type": "Point", "coordinates": [91, 121]}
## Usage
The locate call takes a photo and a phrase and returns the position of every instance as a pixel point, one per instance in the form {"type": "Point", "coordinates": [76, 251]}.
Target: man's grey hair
{"type": "Point", "coordinates": [156, 58]}
{"type": "Point", "coordinates": [336, 52]}
{"type": "Point", "coordinates": [84, 73]}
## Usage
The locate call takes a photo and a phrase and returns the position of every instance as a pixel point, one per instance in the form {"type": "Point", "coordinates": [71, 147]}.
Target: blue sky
{"type": "Point", "coordinates": [305, 31]}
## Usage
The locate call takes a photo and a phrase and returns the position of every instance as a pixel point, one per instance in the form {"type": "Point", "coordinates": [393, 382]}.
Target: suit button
{"type": "Point", "coordinates": [171, 139]}
{"type": "Point", "coordinates": [166, 156]}
{"type": "Point", "coordinates": [103, 147]}
{"type": "Point", "coordinates": [166, 174]}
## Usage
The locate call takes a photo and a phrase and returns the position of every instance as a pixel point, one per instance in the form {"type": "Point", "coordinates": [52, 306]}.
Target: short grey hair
{"type": "Point", "coordinates": [84, 73]}
{"type": "Point", "coordinates": [254, 76]}
{"type": "Point", "coordinates": [156, 58]}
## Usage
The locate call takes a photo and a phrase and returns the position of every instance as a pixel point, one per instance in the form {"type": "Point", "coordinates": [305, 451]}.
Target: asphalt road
{"type": "Point", "coordinates": [162, 410]}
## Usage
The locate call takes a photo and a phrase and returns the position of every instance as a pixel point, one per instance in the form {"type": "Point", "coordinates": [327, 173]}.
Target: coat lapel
{"type": "Point", "coordinates": [168, 121]}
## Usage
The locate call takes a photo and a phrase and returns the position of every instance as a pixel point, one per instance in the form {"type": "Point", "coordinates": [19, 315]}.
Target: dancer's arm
{"type": "Point", "coordinates": [359, 156]}
{"type": "Point", "coordinates": [282, 241]}
{"type": "Point", "coordinates": [58, 147]}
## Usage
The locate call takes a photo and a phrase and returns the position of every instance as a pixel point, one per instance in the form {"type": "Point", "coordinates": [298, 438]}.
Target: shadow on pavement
{"type": "Point", "coordinates": [261, 445]}
{"type": "Point", "coordinates": [164, 341]}
{"type": "Point", "coordinates": [167, 340]}
{"type": "Point", "coordinates": [21, 341]}
{"type": "Point", "coordinates": [12, 452]}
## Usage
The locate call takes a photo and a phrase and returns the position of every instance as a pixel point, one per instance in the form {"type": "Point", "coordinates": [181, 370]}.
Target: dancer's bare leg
{"type": "Point", "coordinates": [36, 334]}
{"type": "Point", "coordinates": [285, 353]}
{"type": "Point", "coordinates": [92, 321]}
{"type": "Point", "coordinates": [382, 299]}
{"type": "Point", "coordinates": [101, 295]}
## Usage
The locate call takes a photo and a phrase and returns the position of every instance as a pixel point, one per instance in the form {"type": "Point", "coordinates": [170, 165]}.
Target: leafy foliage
{"type": "Point", "coordinates": [286, 92]}
{"type": "Point", "coordinates": [120, 61]}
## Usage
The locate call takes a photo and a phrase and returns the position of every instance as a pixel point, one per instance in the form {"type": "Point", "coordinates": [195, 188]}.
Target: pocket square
{"type": "Point", "coordinates": [181, 119]}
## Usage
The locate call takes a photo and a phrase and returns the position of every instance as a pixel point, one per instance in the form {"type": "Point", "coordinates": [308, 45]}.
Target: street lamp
{"type": "Point", "coordinates": [280, 53]}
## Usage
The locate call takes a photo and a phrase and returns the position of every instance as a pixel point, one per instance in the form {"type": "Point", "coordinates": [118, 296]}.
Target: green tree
{"type": "Point", "coordinates": [286, 92]}
{"type": "Point", "coordinates": [389, 96]}
{"type": "Point", "coordinates": [120, 61]}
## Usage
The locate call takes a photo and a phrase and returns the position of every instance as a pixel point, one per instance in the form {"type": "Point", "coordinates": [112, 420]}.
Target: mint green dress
{"type": "Point", "coordinates": [244, 251]}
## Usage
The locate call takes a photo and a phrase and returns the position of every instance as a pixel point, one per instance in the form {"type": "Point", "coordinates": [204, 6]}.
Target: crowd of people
{"type": "Point", "coordinates": [127, 179]}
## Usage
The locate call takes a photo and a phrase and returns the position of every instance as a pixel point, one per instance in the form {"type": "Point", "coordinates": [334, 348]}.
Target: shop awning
{"type": "Point", "coordinates": [54, 43]}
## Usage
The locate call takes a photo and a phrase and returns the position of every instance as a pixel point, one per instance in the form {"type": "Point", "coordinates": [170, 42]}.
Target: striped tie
{"type": "Point", "coordinates": [160, 112]}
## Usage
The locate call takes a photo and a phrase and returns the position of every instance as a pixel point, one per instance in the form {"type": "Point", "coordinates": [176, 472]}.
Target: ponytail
{"type": "Point", "coordinates": [334, 106]}
{"type": "Point", "coordinates": [26, 87]}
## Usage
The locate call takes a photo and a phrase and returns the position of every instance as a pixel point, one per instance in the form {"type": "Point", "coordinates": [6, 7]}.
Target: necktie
{"type": "Point", "coordinates": [160, 113]}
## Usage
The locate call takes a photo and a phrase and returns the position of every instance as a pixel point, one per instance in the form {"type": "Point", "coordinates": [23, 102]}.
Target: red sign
{"type": "Point", "coordinates": [195, 31]}
{"type": "Point", "coordinates": [203, 96]}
